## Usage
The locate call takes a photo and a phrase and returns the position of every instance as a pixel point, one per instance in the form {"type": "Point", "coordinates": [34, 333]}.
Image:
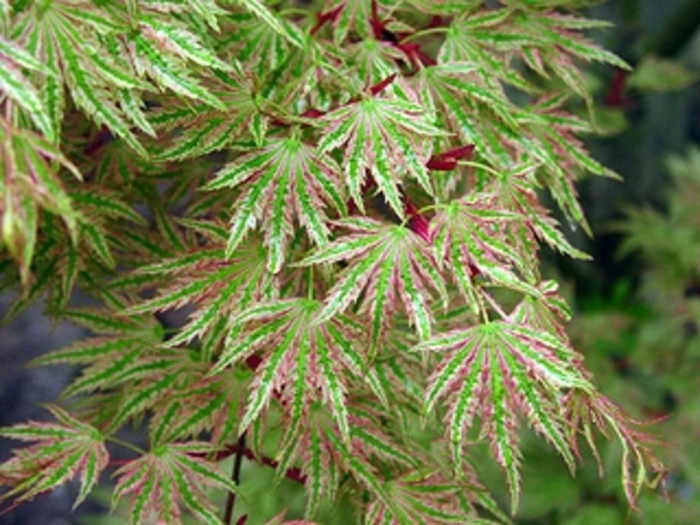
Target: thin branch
{"type": "Point", "coordinates": [236, 477]}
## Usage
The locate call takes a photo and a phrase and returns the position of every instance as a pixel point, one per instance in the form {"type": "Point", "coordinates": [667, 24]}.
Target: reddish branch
{"type": "Point", "coordinates": [418, 223]}
{"type": "Point", "coordinates": [236, 478]}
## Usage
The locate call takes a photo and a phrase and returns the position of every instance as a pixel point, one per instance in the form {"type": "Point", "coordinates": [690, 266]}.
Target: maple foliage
{"type": "Point", "coordinates": [312, 237]}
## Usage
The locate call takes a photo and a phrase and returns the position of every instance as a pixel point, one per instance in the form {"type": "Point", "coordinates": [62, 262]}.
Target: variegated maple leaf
{"type": "Point", "coordinates": [60, 451]}
{"type": "Point", "coordinates": [196, 129]}
{"type": "Point", "coordinates": [479, 49]}
{"type": "Point", "coordinates": [387, 137]}
{"type": "Point", "coordinates": [284, 183]}
{"type": "Point", "coordinates": [127, 351]}
{"type": "Point", "coordinates": [29, 181]}
{"type": "Point", "coordinates": [587, 410]}
{"type": "Point", "coordinates": [323, 453]}
{"type": "Point", "coordinates": [186, 403]}
{"type": "Point", "coordinates": [161, 48]}
{"type": "Point", "coordinates": [272, 20]}
{"type": "Point", "coordinates": [261, 47]}
{"type": "Point", "coordinates": [548, 42]}
{"type": "Point", "coordinates": [169, 476]}
{"type": "Point", "coordinates": [476, 109]}
{"type": "Point", "coordinates": [137, 373]}
{"type": "Point", "coordinates": [432, 497]}
{"type": "Point", "coordinates": [305, 358]}
{"type": "Point", "coordinates": [63, 36]}
{"type": "Point", "coordinates": [499, 370]}
{"type": "Point", "coordinates": [15, 85]}
{"type": "Point", "coordinates": [391, 268]}
{"type": "Point", "coordinates": [561, 153]}
{"type": "Point", "coordinates": [471, 237]}
{"type": "Point", "coordinates": [216, 287]}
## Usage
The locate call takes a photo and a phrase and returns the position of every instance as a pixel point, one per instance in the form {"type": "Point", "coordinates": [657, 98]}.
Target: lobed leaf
{"type": "Point", "coordinates": [169, 475]}
{"type": "Point", "coordinates": [284, 182]}
{"type": "Point", "coordinates": [309, 361]}
{"type": "Point", "coordinates": [386, 137]}
{"type": "Point", "coordinates": [392, 266]}
{"type": "Point", "coordinates": [497, 370]}
{"type": "Point", "coordinates": [60, 451]}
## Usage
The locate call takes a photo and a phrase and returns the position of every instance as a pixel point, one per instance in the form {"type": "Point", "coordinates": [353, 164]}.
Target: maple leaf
{"type": "Point", "coordinates": [209, 11]}
{"type": "Point", "coordinates": [170, 475]}
{"type": "Point", "coordinates": [549, 312]}
{"type": "Point", "coordinates": [557, 41]}
{"type": "Point", "coordinates": [195, 129]}
{"type": "Point", "coordinates": [374, 61]}
{"type": "Point", "coordinates": [395, 489]}
{"type": "Point", "coordinates": [162, 46]}
{"type": "Point", "coordinates": [305, 358]}
{"type": "Point", "coordinates": [29, 180]}
{"type": "Point", "coordinates": [140, 373]}
{"type": "Point", "coordinates": [471, 237]}
{"type": "Point", "coordinates": [400, 374]}
{"type": "Point", "coordinates": [392, 265]}
{"type": "Point", "coordinates": [259, 46]}
{"type": "Point", "coordinates": [432, 497]}
{"type": "Point", "coordinates": [100, 227]}
{"type": "Point", "coordinates": [324, 453]}
{"type": "Point", "coordinates": [478, 52]}
{"type": "Point", "coordinates": [561, 153]}
{"type": "Point", "coordinates": [61, 451]}
{"type": "Point", "coordinates": [588, 410]}
{"type": "Point", "coordinates": [193, 402]}
{"type": "Point", "coordinates": [386, 137]}
{"type": "Point", "coordinates": [63, 36]}
{"type": "Point", "coordinates": [474, 107]}
{"type": "Point", "coordinates": [114, 162]}
{"type": "Point", "coordinates": [284, 182]}
{"type": "Point", "coordinates": [19, 89]}
{"type": "Point", "coordinates": [216, 287]}
{"type": "Point", "coordinates": [539, 38]}
{"type": "Point", "coordinates": [485, 39]}
{"type": "Point", "coordinates": [125, 352]}
{"type": "Point", "coordinates": [517, 194]}
{"type": "Point", "coordinates": [499, 369]}
{"type": "Point", "coordinates": [274, 22]}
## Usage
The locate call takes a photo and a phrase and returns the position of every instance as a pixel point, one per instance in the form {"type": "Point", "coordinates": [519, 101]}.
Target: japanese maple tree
{"type": "Point", "coordinates": [343, 203]}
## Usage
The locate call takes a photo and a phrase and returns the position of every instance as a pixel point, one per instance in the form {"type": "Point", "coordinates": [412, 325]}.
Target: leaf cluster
{"type": "Point", "coordinates": [312, 237]}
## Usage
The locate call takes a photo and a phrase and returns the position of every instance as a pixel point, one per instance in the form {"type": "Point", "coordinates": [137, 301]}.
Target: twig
{"type": "Point", "coordinates": [236, 477]}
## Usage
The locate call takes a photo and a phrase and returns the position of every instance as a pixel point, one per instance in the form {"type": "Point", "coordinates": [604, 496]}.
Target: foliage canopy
{"type": "Point", "coordinates": [344, 201]}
